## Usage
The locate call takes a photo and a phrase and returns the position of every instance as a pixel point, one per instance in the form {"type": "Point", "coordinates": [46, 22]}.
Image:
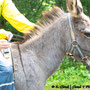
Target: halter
{"type": "Point", "coordinates": [74, 44]}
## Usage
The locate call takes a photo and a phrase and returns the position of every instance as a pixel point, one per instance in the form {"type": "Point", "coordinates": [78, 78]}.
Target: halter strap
{"type": "Point", "coordinates": [74, 42]}
{"type": "Point", "coordinates": [72, 32]}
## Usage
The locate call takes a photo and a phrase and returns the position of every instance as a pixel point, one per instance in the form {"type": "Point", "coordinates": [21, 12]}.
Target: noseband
{"type": "Point", "coordinates": [75, 44]}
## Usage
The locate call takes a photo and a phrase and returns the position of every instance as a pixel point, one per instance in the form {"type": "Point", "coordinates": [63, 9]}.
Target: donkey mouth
{"type": "Point", "coordinates": [87, 63]}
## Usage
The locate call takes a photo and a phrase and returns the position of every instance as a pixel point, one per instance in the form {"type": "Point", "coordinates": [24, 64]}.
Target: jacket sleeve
{"type": "Point", "coordinates": [5, 34]}
{"type": "Point", "coordinates": [2, 34]}
{"type": "Point", "coordinates": [15, 18]}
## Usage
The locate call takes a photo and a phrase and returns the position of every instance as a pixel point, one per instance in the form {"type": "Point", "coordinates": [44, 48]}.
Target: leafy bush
{"type": "Point", "coordinates": [71, 73]}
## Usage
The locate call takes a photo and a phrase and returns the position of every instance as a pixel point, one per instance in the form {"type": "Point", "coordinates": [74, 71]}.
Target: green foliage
{"type": "Point", "coordinates": [70, 73]}
{"type": "Point", "coordinates": [86, 6]}
{"type": "Point", "coordinates": [32, 9]}
{"type": "Point", "coordinates": [61, 4]}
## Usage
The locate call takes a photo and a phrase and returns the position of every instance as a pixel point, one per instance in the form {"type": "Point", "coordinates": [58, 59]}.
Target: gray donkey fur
{"type": "Point", "coordinates": [42, 54]}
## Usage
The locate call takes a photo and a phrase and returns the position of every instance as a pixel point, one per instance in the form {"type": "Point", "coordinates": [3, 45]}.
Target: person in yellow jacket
{"type": "Point", "coordinates": [18, 21]}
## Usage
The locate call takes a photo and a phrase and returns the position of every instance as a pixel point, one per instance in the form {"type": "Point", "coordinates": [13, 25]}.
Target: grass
{"type": "Point", "coordinates": [69, 74]}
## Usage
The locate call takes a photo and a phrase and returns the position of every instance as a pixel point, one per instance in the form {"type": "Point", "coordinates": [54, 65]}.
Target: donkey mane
{"type": "Point", "coordinates": [48, 18]}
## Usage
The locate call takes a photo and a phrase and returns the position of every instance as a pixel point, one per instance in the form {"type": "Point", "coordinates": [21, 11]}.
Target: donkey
{"type": "Point", "coordinates": [45, 47]}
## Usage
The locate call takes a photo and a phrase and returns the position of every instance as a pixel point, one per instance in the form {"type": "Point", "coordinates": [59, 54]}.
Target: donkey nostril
{"type": "Point", "coordinates": [87, 34]}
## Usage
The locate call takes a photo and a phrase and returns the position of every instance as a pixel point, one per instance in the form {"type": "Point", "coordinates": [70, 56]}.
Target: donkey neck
{"type": "Point", "coordinates": [49, 49]}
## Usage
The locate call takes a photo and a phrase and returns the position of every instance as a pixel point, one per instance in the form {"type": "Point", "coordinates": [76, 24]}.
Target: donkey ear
{"type": "Point", "coordinates": [74, 7]}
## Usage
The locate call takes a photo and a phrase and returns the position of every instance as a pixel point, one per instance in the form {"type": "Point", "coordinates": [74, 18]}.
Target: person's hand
{"type": "Point", "coordinates": [4, 44]}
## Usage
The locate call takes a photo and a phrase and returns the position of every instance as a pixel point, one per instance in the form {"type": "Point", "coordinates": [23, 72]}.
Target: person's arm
{"type": "Point", "coordinates": [15, 18]}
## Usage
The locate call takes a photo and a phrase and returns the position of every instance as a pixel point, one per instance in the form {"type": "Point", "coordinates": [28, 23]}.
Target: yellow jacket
{"type": "Point", "coordinates": [14, 17]}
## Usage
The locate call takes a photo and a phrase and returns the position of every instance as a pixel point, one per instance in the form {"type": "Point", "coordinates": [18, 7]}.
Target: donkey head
{"type": "Point", "coordinates": [81, 26]}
